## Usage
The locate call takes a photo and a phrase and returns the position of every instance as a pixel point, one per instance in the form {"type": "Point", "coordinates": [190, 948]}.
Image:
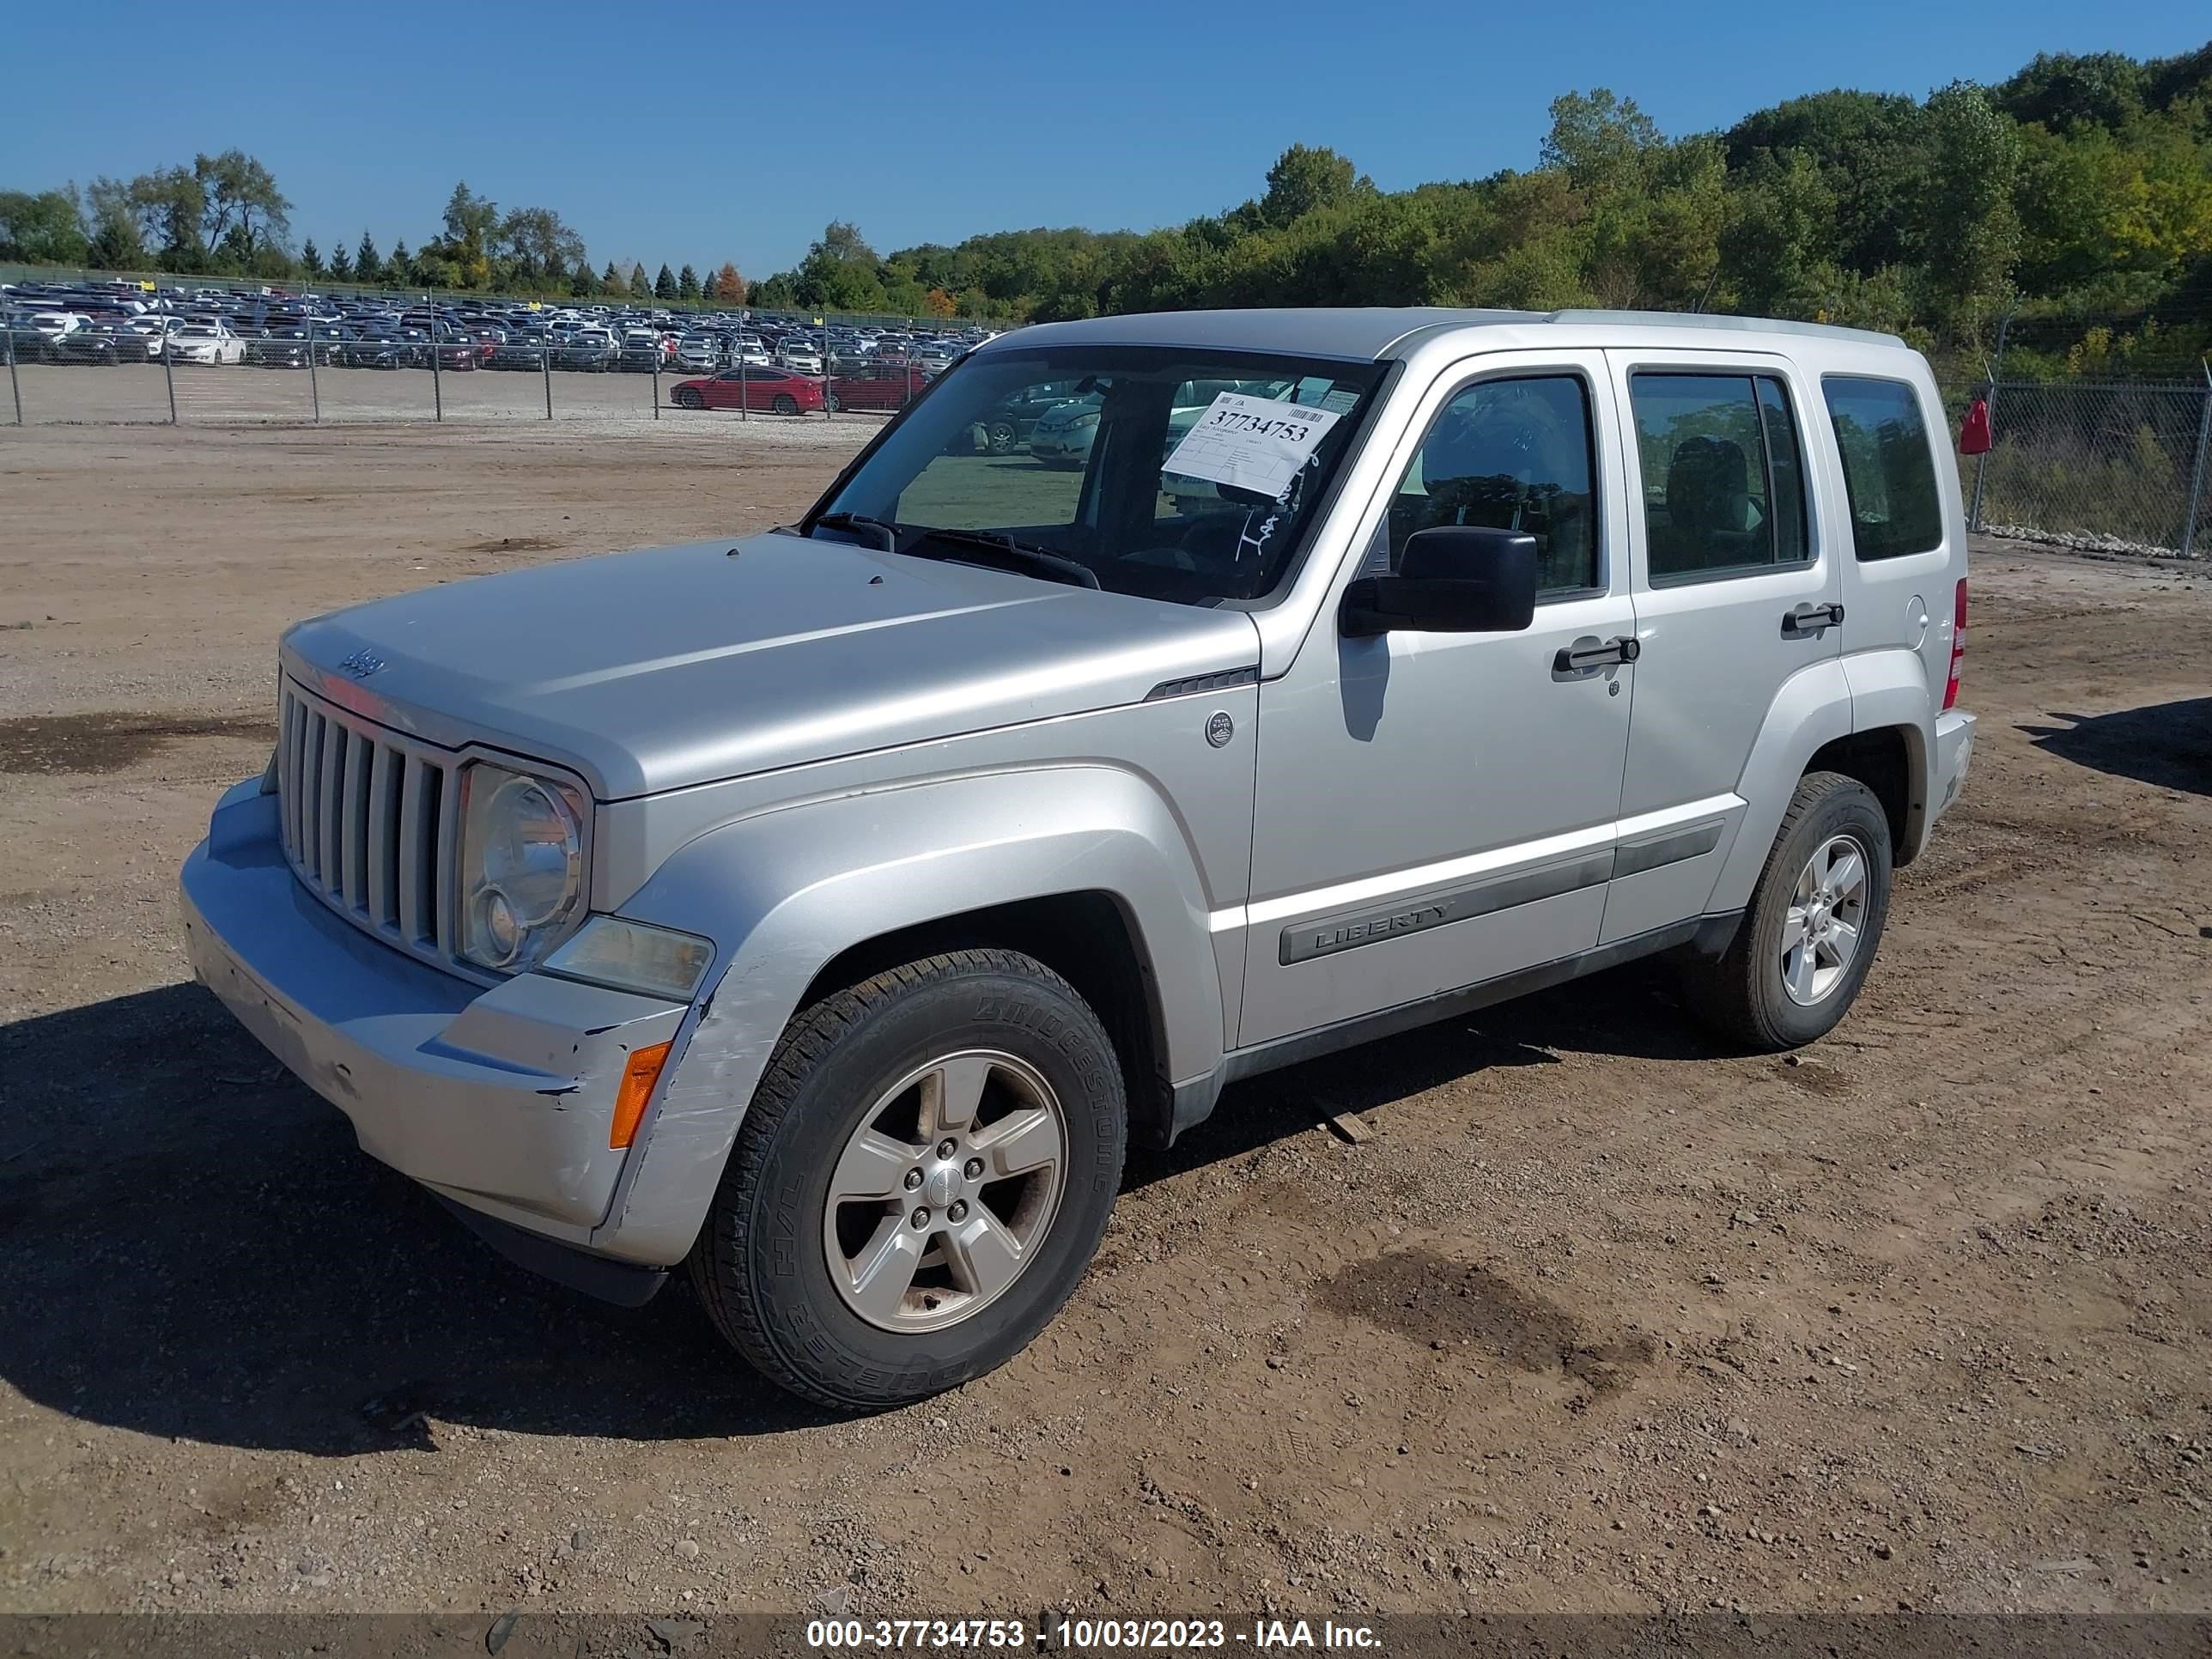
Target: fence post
{"type": "Point", "coordinates": [546, 363]}
{"type": "Point", "coordinates": [1982, 461]}
{"type": "Point", "coordinates": [169, 365]}
{"type": "Point", "coordinates": [315, 389]}
{"type": "Point", "coordinates": [14, 385]}
{"type": "Point", "coordinates": [2196, 472]}
{"type": "Point", "coordinates": [745, 394]}
{"type": "Point", "coordinates": [437, 382]}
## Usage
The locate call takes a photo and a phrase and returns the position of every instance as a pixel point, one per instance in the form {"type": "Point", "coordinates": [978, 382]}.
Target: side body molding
{"type": "Point", "coordinates": [1812, 707]}
{"type": "Point", "coordinates": [783, 893]}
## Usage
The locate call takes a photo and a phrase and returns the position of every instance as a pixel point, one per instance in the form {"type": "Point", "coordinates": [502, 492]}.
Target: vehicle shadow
{"type": "Point", "coordinates": [198, 1249]}
{"type": "Point", "coordinates": [1630, 1010]}
{"type": "Point", "coordinates": [2168, 744]}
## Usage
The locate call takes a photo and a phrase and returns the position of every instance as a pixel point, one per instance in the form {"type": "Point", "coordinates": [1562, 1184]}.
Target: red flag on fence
{"type": "Point", "coordinates": [1974, 432]}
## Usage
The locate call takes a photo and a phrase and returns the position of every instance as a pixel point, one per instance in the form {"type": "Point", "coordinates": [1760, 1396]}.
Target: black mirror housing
{"type": "Point", "coordinates": [1454, 578]}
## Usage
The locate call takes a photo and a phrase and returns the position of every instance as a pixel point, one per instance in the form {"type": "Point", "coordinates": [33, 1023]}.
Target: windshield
{"type": "Point", "coordinates": [1067, 451]}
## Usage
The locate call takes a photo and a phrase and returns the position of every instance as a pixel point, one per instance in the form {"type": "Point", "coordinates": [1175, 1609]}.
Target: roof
{"type": "Point", "coordinates": [1369, 332]}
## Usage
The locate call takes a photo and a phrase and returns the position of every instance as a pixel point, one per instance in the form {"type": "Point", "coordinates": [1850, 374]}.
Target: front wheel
{"type": "Point", "coordinates": [922, 1176]}
{"type": "Point", "coordinates": [1000, 437]}
{"type": "Point", "coordinates": [684, 397]}
{"type": "Point", "coordinates": [1804, 947]}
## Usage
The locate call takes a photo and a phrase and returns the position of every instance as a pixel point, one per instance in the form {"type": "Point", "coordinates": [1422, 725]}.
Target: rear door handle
{"type": "Point", "coordinates": [1807, 622]}
{"type": "Point", "coordinates": [1591, 653]}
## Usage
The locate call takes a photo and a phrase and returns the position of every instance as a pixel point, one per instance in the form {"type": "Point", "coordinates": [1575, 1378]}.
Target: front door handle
{"type": "Point", "coordinates": [1807, 622]}
{"type": "Point", "coordinates": [1592, 652]}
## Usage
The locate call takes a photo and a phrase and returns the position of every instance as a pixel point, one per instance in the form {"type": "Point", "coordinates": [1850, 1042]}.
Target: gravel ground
{"type": "Point", "coordinates": [1599, 1318]}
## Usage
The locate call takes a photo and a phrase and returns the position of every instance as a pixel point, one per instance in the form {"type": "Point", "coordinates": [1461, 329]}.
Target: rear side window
{"type": "Point", "coordinates": [1723, 475]}
{"type": "Point", "coordinates": [1888, 468]}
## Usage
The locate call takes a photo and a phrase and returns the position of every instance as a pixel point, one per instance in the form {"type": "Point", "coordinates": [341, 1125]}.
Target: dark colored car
{"type": "Point", "coordinates": [520, 350]}
{"type": "Point", "coordinates": [280, 347]}
{"type": "Point", "coordinates": [778, 391]}
{"type": "Point", "coordinates": [98, 345]}
{"type": "Point", "coordinates": [1008, 426]}
{"type": "Point", "coordinates": [642, 355]}
{"type": "Point", "coordinates": [881, 389]}
{"type": "Point", "coordinates": [393, 350]}
{"type": "Point", "coordinates": [589, 354]}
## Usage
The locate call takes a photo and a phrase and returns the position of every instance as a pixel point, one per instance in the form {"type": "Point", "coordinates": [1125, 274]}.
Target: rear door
{"type": "Point", "coordinates": [1735, 597]}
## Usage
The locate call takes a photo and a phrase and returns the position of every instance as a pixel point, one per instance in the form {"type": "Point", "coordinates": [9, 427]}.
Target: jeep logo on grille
{"type": "Point", "coordinates": [361, 664]}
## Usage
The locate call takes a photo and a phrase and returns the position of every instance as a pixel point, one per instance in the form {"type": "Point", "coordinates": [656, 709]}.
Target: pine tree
{"type": "Point", "coordinates": [687, 284]}
{"type": "Point", "coordinates": [311, 258]}
{"type": "Point", "coordinates": [729, 287]}
{"type": "Point", "coordinates": [664, 286]}
{"type": "Point", "coordinates": [399, 269]}
{"type": "Point", "coordinates": [340, 264]}
{"type": "Point", "coordinates": [611, 281]}
{"type": "Point", "coordinates": [639, 288]}
{"type": "Point", "coordinates": [367, 263]}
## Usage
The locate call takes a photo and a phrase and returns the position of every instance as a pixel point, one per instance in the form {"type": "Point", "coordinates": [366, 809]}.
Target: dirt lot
{"type": "Point", "coordinates": [1600, 1319]}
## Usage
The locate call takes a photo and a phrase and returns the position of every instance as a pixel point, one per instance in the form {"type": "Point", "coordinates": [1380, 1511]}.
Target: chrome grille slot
{"type": "Point", "coordinates": [368, 822]}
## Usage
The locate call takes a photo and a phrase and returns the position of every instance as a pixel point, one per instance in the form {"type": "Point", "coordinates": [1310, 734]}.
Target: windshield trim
{"type": "Point", "coordinates": [1323, 509]}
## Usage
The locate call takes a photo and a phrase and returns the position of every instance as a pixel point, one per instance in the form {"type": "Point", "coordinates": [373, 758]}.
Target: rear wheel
{"type": "Point", "coordinates": [1805, 943]}
{"type": "Point", "coordinates": [920, 1181]}
{"type": "Point", "coordinates": [786, 404]}
{"type": "Point", "coordinates": [1000, 437]}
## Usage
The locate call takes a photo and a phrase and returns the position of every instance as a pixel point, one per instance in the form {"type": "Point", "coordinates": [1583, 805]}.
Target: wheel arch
{"type": "Point", "coordinates": [807, 898]}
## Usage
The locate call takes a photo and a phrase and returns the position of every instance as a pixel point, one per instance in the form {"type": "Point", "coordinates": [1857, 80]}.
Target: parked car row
{"type": "Point", "coordinates": [735, 359]}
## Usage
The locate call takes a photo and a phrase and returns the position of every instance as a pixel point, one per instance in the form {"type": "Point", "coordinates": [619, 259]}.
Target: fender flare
{"type": "Point", "coordinates": [783, 893]}
{"type": "Point", "coordinates": [1812, 708]}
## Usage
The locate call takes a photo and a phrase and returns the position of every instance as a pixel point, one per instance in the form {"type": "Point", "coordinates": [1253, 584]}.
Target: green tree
{"type": "Point", "coordinates": [664, 286]}
{"type": "Point", "coordinates": [638, 287]}
{"type": "Point", "coordinates": [582, 285]}
{"type": "Point", "coordinates": [240, 194]}
{"type": "Point", "coordinates": [1303, 180]}
{"type": "Point", "coordinates": [45, 228]}
{"type": "Point", "coordinates": [399, 265]}
{"type": "Point", "coordinates": [111, 217]}
{"type": "Point", "coordinates": [171, 205]}
{"type": "Point", "coordinates": [340, 264]}
{"type": "Point", "coordinates": [687, 284]}
{"type": "Point", "coordinates": [611, 280]}
{"type": "Point", "coordinates": [840, 272]}
{"type": "Point", "coordinates": [1967, 231]}
{"type": "Point", "coordinates": [311, 258]}
{"type": "Point", "coordinates": [538, 243]}
{"type": "Point", "coordinates": [367, 263]}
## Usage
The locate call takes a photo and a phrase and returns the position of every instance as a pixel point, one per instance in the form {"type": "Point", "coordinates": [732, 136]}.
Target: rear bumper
{"type": "Point", "coordinates": [1954, 752]}
{"type": "Point", "coordinates": [497, 1098]}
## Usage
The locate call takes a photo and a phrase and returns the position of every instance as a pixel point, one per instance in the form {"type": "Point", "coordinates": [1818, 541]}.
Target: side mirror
{"type": "Point", "coordinates": [1454, 578]}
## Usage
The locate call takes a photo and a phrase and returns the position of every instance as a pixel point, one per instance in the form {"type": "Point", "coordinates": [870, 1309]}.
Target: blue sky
{"type": "Point", "coordinates": [711, 131]}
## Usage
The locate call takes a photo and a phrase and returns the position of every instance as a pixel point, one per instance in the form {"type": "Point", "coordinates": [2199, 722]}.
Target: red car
{"type": "Point", "coordinates": [775, 389]}
{"type": "Point", "coordinates": [883, 388]}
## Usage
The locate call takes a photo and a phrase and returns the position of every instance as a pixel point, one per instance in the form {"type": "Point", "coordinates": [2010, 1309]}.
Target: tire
{"type": "Point", "coordinates": [830, 401]}
{"type": "Point", "coordinates": [786, 404]}
{"type": "Point", "coordinates": [763, 1263]}
{"type": "Point", "coordinates": [684, 397]}
{"type": "Point", "coordinates": [1747, 994]}
{"type": "Point", "coordinates": [1000, 437]}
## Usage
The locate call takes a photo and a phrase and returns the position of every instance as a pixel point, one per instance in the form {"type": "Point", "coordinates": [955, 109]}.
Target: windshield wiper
{"type": "Point", "coordinates": [858, 523]}
{"type": "Point", "coordinates": [1016, 554]}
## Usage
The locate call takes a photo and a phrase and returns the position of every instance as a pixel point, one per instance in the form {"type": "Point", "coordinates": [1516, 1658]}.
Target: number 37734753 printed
{"type": "Point", "coordinates": [1250, 443]}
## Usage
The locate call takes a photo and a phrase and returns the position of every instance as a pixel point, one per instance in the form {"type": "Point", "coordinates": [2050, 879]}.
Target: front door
{"type": "Point", "coordinates": [1735, 594]}
{"type": "Point", "coordinates": [1434, 810]}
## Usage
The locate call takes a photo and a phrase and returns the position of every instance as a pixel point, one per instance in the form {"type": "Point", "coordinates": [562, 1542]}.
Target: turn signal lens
{"type": "Point", "coordinates": [639, 1076]}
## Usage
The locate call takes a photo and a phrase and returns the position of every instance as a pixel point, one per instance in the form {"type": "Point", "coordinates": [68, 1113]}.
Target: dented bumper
{"type": "Point", "coordinates": [498, 1098]}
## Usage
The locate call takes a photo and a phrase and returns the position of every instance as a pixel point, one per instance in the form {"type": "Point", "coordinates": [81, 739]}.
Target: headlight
{"type": "Point", "coordinates": [634, 956]}
{"type": "Point", "coordinates": [522, 865]}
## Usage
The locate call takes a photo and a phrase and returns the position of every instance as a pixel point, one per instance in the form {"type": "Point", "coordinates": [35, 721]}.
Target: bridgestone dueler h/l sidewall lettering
{"type": "Point", "coordinates": [760, 1266]}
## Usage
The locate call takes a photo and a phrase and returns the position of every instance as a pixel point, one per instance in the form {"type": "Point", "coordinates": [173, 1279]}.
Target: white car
{"type": "Point", "coordinates": [212, 343]}
{"type": "Point", "coordinates": [799, 357]}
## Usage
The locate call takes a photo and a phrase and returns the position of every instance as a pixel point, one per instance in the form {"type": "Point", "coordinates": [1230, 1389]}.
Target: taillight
{"type": "Point", "coordinates": [1958, 644]}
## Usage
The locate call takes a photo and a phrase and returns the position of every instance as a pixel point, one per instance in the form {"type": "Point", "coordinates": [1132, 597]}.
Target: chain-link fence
{"type": "Point", "coordinates": [123, 353]}
{"type": "Point", "coordinates": [2116, 466]}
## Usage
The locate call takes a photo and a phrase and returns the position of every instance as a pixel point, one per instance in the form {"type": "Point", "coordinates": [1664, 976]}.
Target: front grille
{"type": "Point", "coordinates": [369, 819]}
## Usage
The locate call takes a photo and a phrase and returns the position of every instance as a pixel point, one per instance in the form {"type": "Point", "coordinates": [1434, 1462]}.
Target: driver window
{"type": "Point", "coordinates": [1513, 455]}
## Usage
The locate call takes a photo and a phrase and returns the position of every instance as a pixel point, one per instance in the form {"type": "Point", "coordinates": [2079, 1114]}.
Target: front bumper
{"type": "Point", "coordinates": [498, 1098]}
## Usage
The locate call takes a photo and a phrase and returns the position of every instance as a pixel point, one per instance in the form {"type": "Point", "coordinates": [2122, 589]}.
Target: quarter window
{"type": "Point", "coordinates": [1889, 471]}
{"type": "Point", "coordinates": [1723, 475]}
{"type": "Point", "coordinates": [1513, 455]}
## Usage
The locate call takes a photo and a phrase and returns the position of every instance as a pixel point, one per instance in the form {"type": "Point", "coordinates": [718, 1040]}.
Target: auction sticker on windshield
{"type": "Point", "coordinates": [1250, 443]}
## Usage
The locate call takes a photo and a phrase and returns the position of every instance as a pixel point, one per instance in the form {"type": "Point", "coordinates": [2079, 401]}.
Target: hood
{"type": "Point", "coordinates": [681, 665]}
